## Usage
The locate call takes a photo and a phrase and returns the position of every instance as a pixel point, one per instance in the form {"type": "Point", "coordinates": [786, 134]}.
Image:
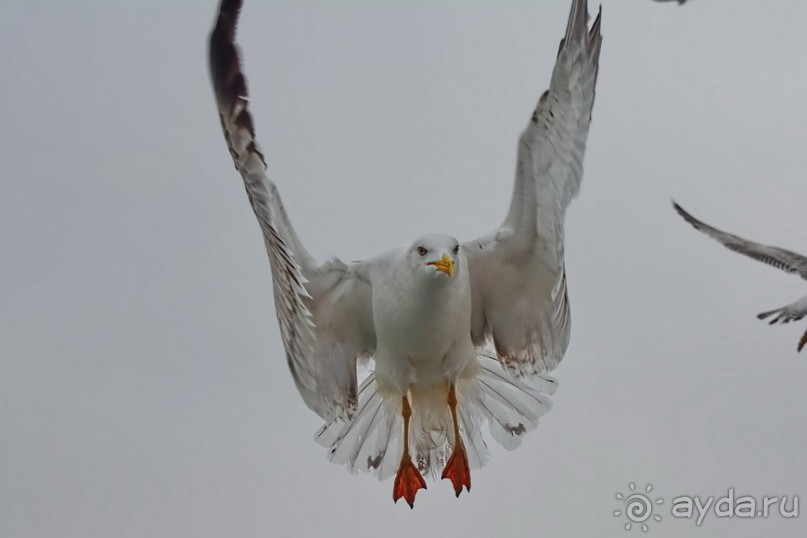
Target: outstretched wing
{"type": "Point", "coordinates": [787, 261]}
{"type": "Point", "coordinates": [786, 314]}
{"type": "Point", "coordinates": [324, 310]}
{"type": "Point", "coordinates": [518, 278]}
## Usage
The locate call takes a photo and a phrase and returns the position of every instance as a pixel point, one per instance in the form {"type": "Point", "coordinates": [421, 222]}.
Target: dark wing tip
{"type": "Point", "coordinates": [686, 216]}
{"type": "Point", "coordinates": [229, 82]}
{"type": "Point", "coordinates": [231, 6]}
{"type": "Point", "coordinates": [224, 61]}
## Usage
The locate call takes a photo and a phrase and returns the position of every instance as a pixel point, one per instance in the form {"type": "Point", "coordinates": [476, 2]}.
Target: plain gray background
{"type": "Point", "coordinates": [143, 388]}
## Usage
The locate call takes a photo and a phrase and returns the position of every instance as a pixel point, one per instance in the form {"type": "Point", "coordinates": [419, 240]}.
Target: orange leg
{"type": "Point", "coordinates": [408, 480]}
{"type": "Point", "coordinates": [803, 341]}
{"type": "Point", "coordinates": [457, 469]}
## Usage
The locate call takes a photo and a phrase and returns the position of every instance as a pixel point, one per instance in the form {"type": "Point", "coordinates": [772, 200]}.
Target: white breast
{"type": "Point", "coordinates": [422, 326]}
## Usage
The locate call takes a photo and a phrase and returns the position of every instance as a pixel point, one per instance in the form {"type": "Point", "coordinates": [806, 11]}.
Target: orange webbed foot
{"type": "Point", "coordinates": [457, 470]}
{"type": "Point", "coordinates": [407, 482]}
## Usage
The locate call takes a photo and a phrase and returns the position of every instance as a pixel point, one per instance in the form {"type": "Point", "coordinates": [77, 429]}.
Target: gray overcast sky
{"type": "Point", "coordinates": [143, 389]}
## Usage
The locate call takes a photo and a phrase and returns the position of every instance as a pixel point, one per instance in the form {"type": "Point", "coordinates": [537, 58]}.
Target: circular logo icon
{"type": "Point", "coordinates": [638, 507]}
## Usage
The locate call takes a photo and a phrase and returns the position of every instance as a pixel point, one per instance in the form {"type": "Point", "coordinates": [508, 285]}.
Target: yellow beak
{"type": "Point", "coordinates": [445, 265]}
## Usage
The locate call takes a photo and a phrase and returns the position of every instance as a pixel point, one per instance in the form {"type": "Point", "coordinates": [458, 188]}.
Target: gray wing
{"type": "Point", "coordinates": [518, 278]}
{"type": "Point", "coordinates": [787, 261]}
{"type": "Point", "coordinates": [324, 310]}
{"type": "Point", "coordinates": [786, 314]}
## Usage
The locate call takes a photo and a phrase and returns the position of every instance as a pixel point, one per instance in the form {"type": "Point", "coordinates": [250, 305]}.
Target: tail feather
{"type": "Point", "coordinates": [511, 406]}
{"type": "Point", "coordinates": [372, 440]}
{"type": "Point", "coordinates": [432, 419]}
{"type": "Point", "coordinates": [475, 447]}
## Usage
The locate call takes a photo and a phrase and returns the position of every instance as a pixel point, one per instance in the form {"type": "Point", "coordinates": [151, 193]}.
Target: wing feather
{"type": "Point", "coordinates": [324, 310]}
{"type": "Point", "coordinates": [518, 274]}
{"type": "Point", "coordinates": [786, 260]}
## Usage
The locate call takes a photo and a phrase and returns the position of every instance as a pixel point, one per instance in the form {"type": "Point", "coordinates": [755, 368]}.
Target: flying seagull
{"type": "Point", "coordinates": [427, 313]}
{"type": "Point", "coordinates": [787, 261]}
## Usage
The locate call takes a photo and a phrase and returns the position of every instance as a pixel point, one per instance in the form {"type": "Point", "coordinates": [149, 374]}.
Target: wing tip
{"type": "Point", "coordinates": [763, 315]}
{"type": "Point", "coordinates": [686, 215]}
{"type": "Point", "coordinates": [577, 25]}
{"type": "Point", "coordinates": [578, 14]}
{"type": "Point", "coordinates": [223, 32]}
{"type": "Point", "coordinates": [230, 85]}
{"type": "Point", "coordinates": [578, 31]}
{"type": "Point", "coordinates": [223, 54]}
{"type": "Point", "coordinates": [595, 34]}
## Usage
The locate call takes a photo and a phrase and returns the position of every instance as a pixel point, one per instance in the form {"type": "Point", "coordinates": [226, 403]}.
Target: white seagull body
{"type": "Point", "coordinates": [786, 260]}
{"type": "Point", "coordinates": [426, 313]}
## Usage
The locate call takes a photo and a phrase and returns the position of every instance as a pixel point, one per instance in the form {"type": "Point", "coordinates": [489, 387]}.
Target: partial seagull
{"type": "Point", "coordinates": [680, 2]}
{"type": "Point", "coordinates": [426, 313]}
{"type": "Point", "coordinates": [787, 261]}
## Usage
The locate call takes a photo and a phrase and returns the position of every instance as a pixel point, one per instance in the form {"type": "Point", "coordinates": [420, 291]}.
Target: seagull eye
{"type": "Point", "coordinates": [456, 250]}
{"type": "Point", "coordinates": [422, 251]}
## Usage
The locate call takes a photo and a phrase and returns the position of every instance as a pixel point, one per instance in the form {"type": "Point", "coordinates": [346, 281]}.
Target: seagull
{"type": "Point", "coordinates": [787, 261]}
{"type": "Point", "coordinates": [460, 334]}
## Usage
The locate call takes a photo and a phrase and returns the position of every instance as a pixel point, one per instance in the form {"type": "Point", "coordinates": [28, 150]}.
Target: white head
{"type": "Point", "coordinates": [436, 256]}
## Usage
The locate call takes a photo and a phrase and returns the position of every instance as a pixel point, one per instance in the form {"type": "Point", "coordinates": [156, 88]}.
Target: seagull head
{"type": "Point", "coordinates": [435, 255]}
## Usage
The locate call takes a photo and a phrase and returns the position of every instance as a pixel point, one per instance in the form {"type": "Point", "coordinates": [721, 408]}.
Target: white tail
{"type": "Point", "coordinates": [372, 440]}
